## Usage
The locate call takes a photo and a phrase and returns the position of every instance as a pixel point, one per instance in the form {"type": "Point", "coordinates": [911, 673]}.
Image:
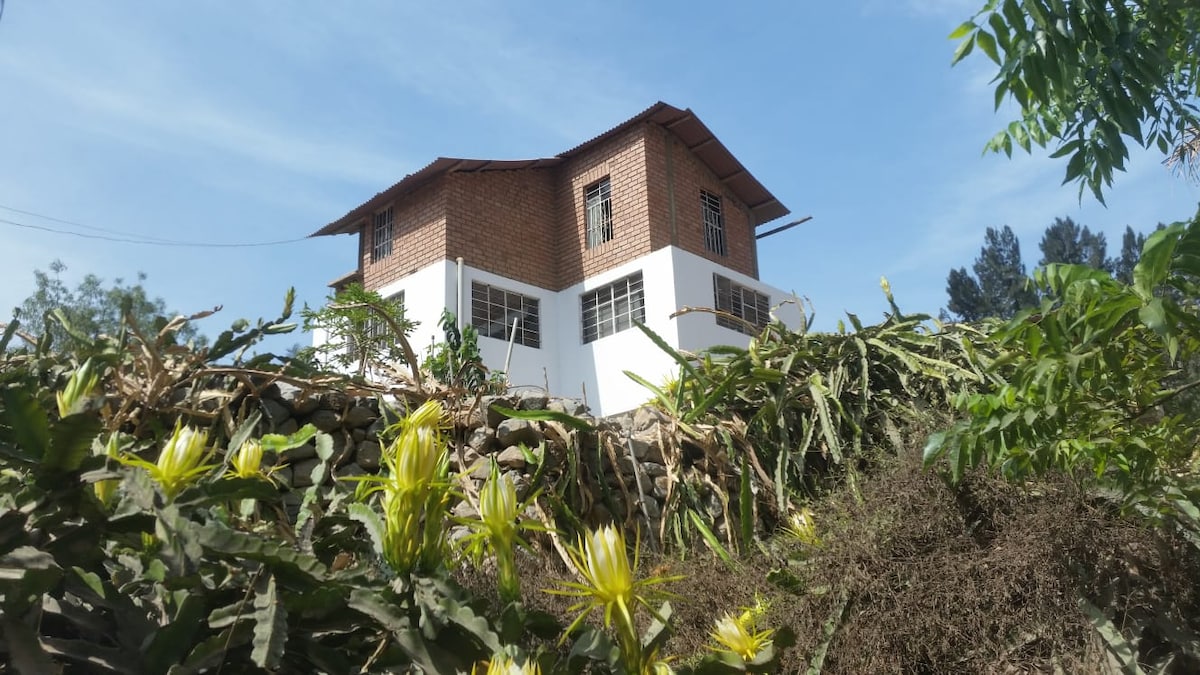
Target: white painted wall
{"type": "Point", "coordinates": [671, 279]}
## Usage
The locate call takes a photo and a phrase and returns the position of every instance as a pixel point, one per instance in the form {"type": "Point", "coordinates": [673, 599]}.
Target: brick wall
{"type": "Point", "coordinates": [418, 236]}
{"type": "Point", "coordinates": [531, 224]}
{"type": "Point", "coordinates": [623, 160]}
{"type": "Point", "coordinates": [676, 179]}
{"type": "Point", "coordinates": [503, 222]}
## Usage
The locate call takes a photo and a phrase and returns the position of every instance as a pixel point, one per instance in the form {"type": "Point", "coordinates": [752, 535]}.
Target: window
{"type": "Point", "coordinates": [377, 331]}
{"type": "Point", "coordinates": [613, 308]}
{"type": "Point", "coordinates": [714, 222]}
{"type": "Point", "coordinates": [597, 200]}
{"type": "Point", "coordinates": [742, 302]}
{"type": "Point", "coordinates": [493, 311]}
{"type": "Point", "coordinates": [381, 246]}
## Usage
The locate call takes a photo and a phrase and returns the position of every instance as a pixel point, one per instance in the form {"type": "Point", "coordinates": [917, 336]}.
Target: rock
{"type": "Point", "coordinates": [641, 446]}
{"type": "Point", "coordinates": [469, 459]}
{"type": "Point", "coordinates": [325, 420]}
{"type": "Point", "coordinates": [470, 418]}
{"type": "Point", "coordinates": [514, 431]}
{"type": "Point", "coordinates": [520, 483]}
{"type": "Point", "coordinates": [274, 413]}
{"type": "Point", "coordinates": [358, 435]}
{"type": "Point", "coordinates": [653, 469]}
{"type": "Point", "coordinates": [284, 475]}
{"type": "Point", "coordinates": [482, 440]}
{"type": "Point", "coordinates": [660, 486]}
{"type": "Point", "coordinates": [289, 427]}
{"type": "Point", "coordinates": [480, 468]}
{"type": "Point", "coordinates": [370, 455]}
{"type": "Point", "coordinates": [568, 406]}
{"type": "Point", "coordinates": [647, 417]}
{"type": "Point", "coordinates": [333, 400]}
{"type": "Point", "coordinates": [377, 427]}
{"type": "Point", "coordinates": [302, 472]}
{"type": "Point", "coordinates": [458, 533]}
{"type": "Point", "coordinates": [511, 458]}
{"type": "Point", "coordinates": [532, 400]}
{"type": "Point", "coordinates": [494, 418]}
{"type": "Point", "coordinates": [306, 451]}
{"type": "Point", "coordinates": [463, 509]}
{"type": "Point", "coordinates": [651, 508]}
{"type": "Point", "coordinates": [294, 398]}
{"type": "Point", "coordinates": [358, 416]}
{"type": "Point", "coordinates": [351, 469]}
{"type": "Point", "coordinates": [271, 391]}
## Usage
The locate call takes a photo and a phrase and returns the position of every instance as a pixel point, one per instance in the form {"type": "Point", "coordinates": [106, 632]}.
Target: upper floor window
{"type": "Point", "coordinates": [495, 310]}
{"type": "Point", "coordinates": [745, 303]}
{"type": "Point", "coordinates": [613, 308]}
{"type": "Point", "coordinates": [381, 242]}
{"type": "Point", "coordinates": [597, 200]}
{"type": "Point", "coordinates": [714, 222]}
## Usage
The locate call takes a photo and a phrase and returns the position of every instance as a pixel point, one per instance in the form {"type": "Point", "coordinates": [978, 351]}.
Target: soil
{"type": "Point", "coordinates": [913, 576]}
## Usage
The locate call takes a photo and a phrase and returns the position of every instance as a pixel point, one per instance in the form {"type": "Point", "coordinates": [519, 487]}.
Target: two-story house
{"type": "Point", "coordinates": [553, 260]}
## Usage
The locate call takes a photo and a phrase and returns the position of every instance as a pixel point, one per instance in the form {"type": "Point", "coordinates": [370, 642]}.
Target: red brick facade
{"type": "Point", "coordinates": [528, 222]}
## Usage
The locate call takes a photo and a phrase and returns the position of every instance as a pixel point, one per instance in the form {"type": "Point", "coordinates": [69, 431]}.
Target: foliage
{"type": "Point", "coordinates": [1083, 380]}
{"type": "Point", "coordinates": [999, 288]}
{"type": "Point", "coordinates": [189, 561]}
{"type": "Point", "coordinates": [1089, 74]}
{"type": "Point", "coordinates": [1066, 242]}
{"type": "Point", "coordinates": [456, 361]}
{"type": "Point", "coordinates": [363, 331]}
{"type": "Point", "coordinates": [90, 308]}
{"type": "Point", "coordinates": [797, 406]}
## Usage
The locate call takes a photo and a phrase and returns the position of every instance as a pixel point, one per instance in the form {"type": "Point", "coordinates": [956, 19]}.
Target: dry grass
{"type": "Point", "coordinates": [983, 578]}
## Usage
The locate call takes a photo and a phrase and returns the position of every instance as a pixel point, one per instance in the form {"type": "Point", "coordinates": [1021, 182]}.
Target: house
{"type": "Point", "coordinates": [560, 256]}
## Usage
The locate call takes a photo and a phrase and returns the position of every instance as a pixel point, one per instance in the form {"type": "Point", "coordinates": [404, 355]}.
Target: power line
{"type": "Point", "coordinates": [140, 239]}
{"type": "Point", "coordinates": [72, 223]}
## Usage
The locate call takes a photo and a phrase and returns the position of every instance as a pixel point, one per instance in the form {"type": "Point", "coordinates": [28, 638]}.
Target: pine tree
{"type": "Point", "coordinates": [999, 288]}
{"type": "Point", "coordinates": [1131, 251]}
{"type": "Point", "coordinates": [1066, 242]}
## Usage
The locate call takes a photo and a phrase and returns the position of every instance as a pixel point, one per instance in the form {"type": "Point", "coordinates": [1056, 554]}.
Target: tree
{"type": "Point", "coordinates": [1089, 74]}
{"type": "Point", "coordinates": [362, 329]}
{"type": "Point", "coordinates": [1131, 251]}
{"type": "Point", "coordinates": [91, 308]}
{"type": "Point", "coordinates": [1065, 242]}
{"type": "Point", "coordinates": [999, 287]}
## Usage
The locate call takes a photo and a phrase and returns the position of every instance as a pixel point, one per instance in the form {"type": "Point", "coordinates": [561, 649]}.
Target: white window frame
{"type": "Point", "coordinates": [612, 308]}
{"type": "Point", "coordinates": [597, 206]}
{"type": "Point", "coordinates": [741, 301]}
{"type": "Point", "coordinates": [493, 310]}
{"type": "Point", "coordinates": [381, 239]}
{"type": "Point", "coordinates": [714, 223]}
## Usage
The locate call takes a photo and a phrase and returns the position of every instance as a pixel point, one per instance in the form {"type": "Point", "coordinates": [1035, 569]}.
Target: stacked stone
{"type": "Point", "coordinates": [355, 424]}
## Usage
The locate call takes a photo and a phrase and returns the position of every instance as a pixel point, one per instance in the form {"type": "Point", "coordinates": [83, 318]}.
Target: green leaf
{"type": "Point", "coordinates": [361, 513]}
{"type": "Point", "coordinates": [962, 31]}
{"type": "Point", "coordinates": [545, 416]}
{"type": "Point", "coordinates": [711, 540]}
{"type": "Point", "coordinates": [278, 443]}
{"type": "Point", "coordinates": [270, 627]}
{"type": "Point", "coordinates": [28, 421]}
{"type": "Point", "coordinates": [71, 442]}
{"type": "Point", "coordinates": [987, 44]}
{"type": "Point", "coordinates": [964, 49]}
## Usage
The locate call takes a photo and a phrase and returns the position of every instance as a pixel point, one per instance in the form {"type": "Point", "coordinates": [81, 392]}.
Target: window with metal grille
{"type": "Point", "coordinates": [494, 310]}
{"type": "Point", "coordinates": [714, 222]}
{"type": "Point", "coordinates": [376, 329]}
{"type": "Point", "coordinates": [597, 200]}
{"type": "Point", "coordinates": [381, 242]}
{"type": "Point", "coordinates": [613, 308]}
{"type": "Point", "coordinates": [742, 302]}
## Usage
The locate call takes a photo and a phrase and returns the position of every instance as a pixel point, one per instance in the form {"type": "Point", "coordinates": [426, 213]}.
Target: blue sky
{"type": "Point", "coordinates": [260, 121]}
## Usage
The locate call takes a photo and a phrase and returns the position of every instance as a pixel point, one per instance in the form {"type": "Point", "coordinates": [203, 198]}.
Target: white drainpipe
{"type": "Point", "coordinates": [458, 314]}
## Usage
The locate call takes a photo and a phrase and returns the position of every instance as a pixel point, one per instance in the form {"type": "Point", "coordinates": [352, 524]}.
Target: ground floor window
{"type": "Point", "coordinates": [613, 308]}
{"type": "Point", "coordinates": [494, 310]}
{"type": "Point", "coordinates": [740, 301]}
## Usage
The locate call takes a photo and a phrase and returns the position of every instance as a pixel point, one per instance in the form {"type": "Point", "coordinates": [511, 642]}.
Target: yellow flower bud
{"type": "Point", "coordinates": [247, 461]}
{"type": "Point", "coordinates": [83, 381]}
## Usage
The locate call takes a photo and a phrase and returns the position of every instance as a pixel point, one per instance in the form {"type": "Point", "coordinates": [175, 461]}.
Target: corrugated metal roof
{"type": "Point", "coordinates": [692, 133]}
